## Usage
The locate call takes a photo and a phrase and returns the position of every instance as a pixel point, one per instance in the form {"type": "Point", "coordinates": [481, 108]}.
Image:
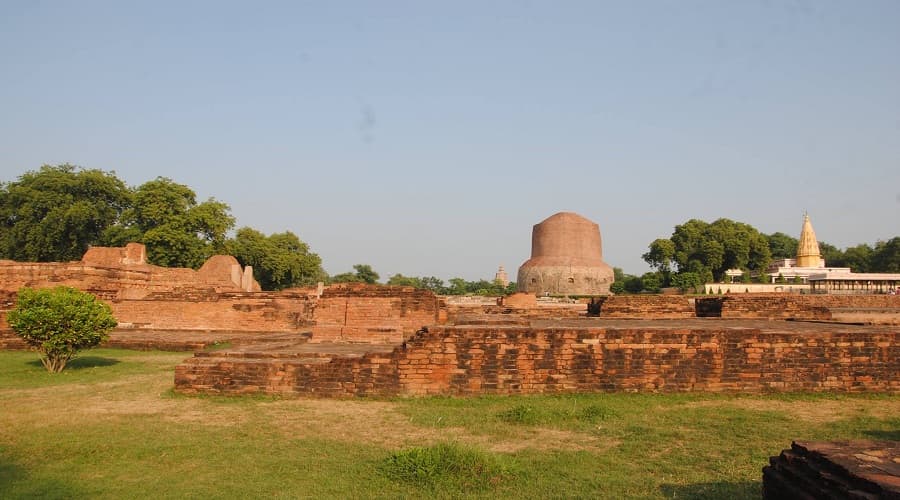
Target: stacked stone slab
{"type": "Point", "coordinates": [842, 469]}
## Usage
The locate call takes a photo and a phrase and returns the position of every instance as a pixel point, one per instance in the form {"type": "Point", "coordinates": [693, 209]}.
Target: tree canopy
{"type": "Point", "coordinates": [178, 231]}
{"type": "Point", "coordinates": [362, 273]}
{"type": "Point", "coordinates": [782, 246]}
{"type": "Point", "coordinates": [709, 249]}
{"type": "Point", "coordinates": [279, 261]}
{"type": "Point", "coordinates": [55, 213]}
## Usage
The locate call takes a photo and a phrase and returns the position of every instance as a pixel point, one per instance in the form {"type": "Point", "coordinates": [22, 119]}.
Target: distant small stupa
{"type": "Point", "coordinates": [501, 277]}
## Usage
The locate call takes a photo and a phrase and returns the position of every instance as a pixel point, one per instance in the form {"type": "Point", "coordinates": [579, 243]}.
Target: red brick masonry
{"type": "Point", "coordinates": [841, 469]}
{"type": "Point", "coordinates": [507, 360]}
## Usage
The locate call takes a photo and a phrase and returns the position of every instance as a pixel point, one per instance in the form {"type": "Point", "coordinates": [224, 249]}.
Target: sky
{"type": "Point", "coordinates": [427, 138]}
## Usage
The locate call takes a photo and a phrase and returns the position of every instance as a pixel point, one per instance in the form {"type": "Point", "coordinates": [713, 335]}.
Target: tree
{"type": "Point", "coordinates": [709, 249]}
{"type": "Point", "coordinates": [59, 322]}
{"type": "Point", "coordinates": [886, 256]}
{"type": "Point", "coordinates": [435, 284]}
{"type": "Point", "coordinates": [660, 256]}
{"type": "Point", "coordinates": [363, 274]}
{"type": "Point", "coordinates": [633, 284]}
{"type": "Point", "coordinates": [400, 280]}
{"type": "Point", "coordinates": [178, 231]}
{"type": "Point", "coordinates": [687, 282]}
{"type": "Point", "coordinates": [746, 278]}
{"type": "Point", "coordinates": [279, 261]}
{"type": "Point", "coordinates": [832, 255]}
{"type": "Point", "coordinates": [651, 282]}
{"type": "Point", "coordinates": [55, 213]}
{"type": "Point", "coordinates": [366, 274]}
{"type": "Point", "coordinates": [782, 246]}
{"type": "Point", "coordinates": [859, 258]}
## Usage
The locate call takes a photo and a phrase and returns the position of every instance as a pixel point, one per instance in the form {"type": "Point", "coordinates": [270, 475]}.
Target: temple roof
{"type": "Point", "coordinates": [808, 246]}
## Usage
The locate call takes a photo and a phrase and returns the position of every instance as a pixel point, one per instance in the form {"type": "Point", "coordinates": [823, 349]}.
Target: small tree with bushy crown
{"type": "Point", "coordinates": [59, 322]}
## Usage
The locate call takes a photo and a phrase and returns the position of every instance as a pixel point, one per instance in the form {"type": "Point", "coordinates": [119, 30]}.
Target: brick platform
{"type": "Point", "coordinates": [841, 469]}
{"type": "Point", "coordinates": [568, 356]}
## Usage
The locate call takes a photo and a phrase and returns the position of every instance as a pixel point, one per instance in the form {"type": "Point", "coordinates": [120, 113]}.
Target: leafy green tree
{"type": "Point", "coordinates": [651, 282]}
{"type": "Point", "coordinates": [458, 286]}
{"type": "Point", "coordinates": [709, 249]}
{"type": "Point", "coordinates": [782, 246]}
{"type": "Point", "coordinates": [366, 273]}
{"type": "Point", "coordinates": [746, 278]}
{"type": "Point", "coordinates": [177, 230]}
{"type": "Point", "coordinates": [859, 258]}
{"type": "Point", "coordinates": [400, 280]}
{"type": "Point", "coordinates": [279, 261]}
{"type": "Point", "coordinates": [363, 273]}
{"type": "Point", "coordinates": [434, 284]}
{"type": "Point", "coordinates": [59, 322]}
{"type": "Point", "coordinates": [834, 256]}
{"type": "Point", "coordinates": [886, 256]}
{"type": "Point", "coordinates": [625, 283]}
{"type": "Point", "coordinates": [55, 213]}
{"type": "Point", "coordinates": [687, 281]}
{"type": "Point", "coordinates": [660, 256]}
{"type": "Point", "coordinates": [633, 284]}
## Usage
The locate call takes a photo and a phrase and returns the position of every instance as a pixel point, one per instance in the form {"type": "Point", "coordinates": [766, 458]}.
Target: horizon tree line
{"type": "Point", "coordinates": [55, 213]}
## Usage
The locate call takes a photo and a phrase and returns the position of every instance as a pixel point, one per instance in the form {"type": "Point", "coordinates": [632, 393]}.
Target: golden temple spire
{"type": "Point", "coordinates": [808, 254]}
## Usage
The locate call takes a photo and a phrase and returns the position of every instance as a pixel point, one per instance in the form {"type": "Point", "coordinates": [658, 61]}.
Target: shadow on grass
{"type": "Point", "coordinates": [893, 435]}
{"type": "Point", "coordinates": [15, 482]}
{"type": "Point", "coordinates": [83, 362]}
{"type": "Point", "coordinates": [717, 490]}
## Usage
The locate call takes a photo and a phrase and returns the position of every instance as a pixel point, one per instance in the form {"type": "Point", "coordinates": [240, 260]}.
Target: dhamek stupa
{"type": "Point", "coordinates": [566, 258]}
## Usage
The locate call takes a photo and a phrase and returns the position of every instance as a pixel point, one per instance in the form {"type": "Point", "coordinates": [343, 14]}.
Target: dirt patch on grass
{"type": "Point", "coordinates": [146, 394]}
{"type": "Point", "coordinates": [381, 424]}
{"type": "Point", "coordinates": [817, 411]}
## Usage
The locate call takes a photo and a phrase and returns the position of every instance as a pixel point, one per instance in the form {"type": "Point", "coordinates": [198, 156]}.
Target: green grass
{"type": "Point", "coordinates": [447, 467]}
{"type": "Point", "coordinates": [111, 427]}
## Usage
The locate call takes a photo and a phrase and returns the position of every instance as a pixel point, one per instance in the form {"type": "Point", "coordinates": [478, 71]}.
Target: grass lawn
{"type": "Point", "coordinates": [109, 426]}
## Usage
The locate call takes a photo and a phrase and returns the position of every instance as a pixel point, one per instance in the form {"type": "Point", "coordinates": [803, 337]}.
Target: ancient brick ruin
{"type": "Point", "coordinates": [841, 469]}
{"type": "Point", "coordinates": [356, 339]}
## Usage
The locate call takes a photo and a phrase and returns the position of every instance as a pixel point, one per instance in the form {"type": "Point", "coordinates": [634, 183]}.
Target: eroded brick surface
{"type": "Point", "coordinates": [837, 469]}
{"type": "Point", "coordinates": [465, 360]}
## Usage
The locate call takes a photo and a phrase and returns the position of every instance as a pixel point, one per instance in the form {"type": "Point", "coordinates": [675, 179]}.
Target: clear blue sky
{"type": "Point", "coordinates": [427, 138]}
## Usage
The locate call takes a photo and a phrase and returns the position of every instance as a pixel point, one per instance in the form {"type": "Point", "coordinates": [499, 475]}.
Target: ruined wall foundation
{"type": "Point", "coordinates": [469, 360]}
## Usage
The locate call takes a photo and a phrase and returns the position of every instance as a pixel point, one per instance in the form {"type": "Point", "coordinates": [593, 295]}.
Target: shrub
{"type": "Point", "coordinates": [59, 322]}
{"type": "Point", "coordinates": [445, 464]}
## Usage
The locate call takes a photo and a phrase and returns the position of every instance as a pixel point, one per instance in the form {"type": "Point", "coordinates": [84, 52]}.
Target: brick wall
{"type": "Point", "coordinates": [625, 306]}
{"type": "Point", "coordinates": [116, 280]}
{"type": "Point", "coordinates": [252, 312]}
{"type": "Point", "coordinates": [511, 360]}
{"type": "Point", "coordinates": [800, 306]}
{"type": "Point", "coordinates": [648, 306]}
{"type": "Point", "coordinates": [372, 313]}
